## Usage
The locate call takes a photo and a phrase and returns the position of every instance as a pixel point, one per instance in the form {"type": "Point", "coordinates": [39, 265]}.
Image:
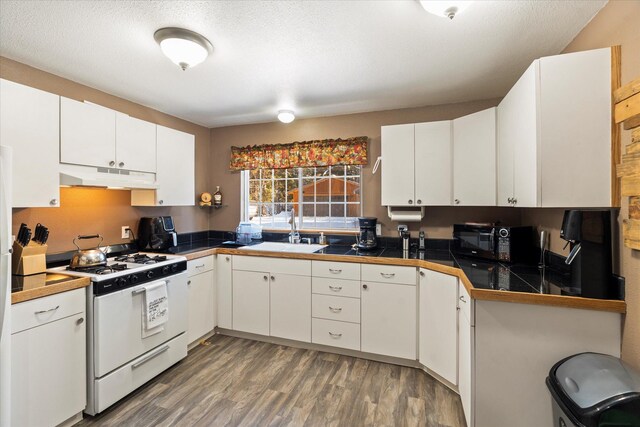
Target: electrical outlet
{"type": "Point", "coordinates": [378, 229]}
{"type": "Point", "coordinates": [126, 234]}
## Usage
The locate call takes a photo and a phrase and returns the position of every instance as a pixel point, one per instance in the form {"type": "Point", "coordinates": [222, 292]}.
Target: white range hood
{"type": "Point", "coordinates": [91, 176]}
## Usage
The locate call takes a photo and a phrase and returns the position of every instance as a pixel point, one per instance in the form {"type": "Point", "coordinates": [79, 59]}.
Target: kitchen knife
{"type": "Point", "coordinates": [45, 235]}
{"type": "Point", "coordinates": [21, 233]}
{"type": "Point", "coordinates": [27, 237]}
{"type": "Point", "coordinates": [37, 236]}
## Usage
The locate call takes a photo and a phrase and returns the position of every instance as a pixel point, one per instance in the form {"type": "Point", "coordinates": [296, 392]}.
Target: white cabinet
{"type": "Point", "coordinates": [388, 319]}
{"type": "Point", "coordinates": [87, 134]}
{"type": "Point", "coordinates": [202, 304]}
{"type": "Point", "coordinates": [474, 159]}
{"type": "Point", "coordinates": [439, 323]}
{"type": "Point", "coordinates": [290, 309]}
{"type": "Point", "coordinates": [48, 356]}
{"type": "Point", "coordinates": [135, 144]}
{"type": "Point", "coordinates": [251, 302]}
{"type": "Point", "coordinates": [466, 336]}
{"type": "Point", "coordinates": [554, 133]}
{"type": "Point", "coordinates": [175, 174]}
{"type": "Point", "coordinates": [416, 164]}
{"type": "Point", "coordinates": [29, 123]}
{"type": "Point", "coordinates": [224, 291]}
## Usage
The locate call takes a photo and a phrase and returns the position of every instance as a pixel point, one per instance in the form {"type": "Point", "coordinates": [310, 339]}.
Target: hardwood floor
{"type": "Point", "coordinates": [239, 382]}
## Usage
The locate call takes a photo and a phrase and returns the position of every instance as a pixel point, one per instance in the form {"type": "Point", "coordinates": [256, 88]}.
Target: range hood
{"type": "Point", "coordinates": [91, 176]}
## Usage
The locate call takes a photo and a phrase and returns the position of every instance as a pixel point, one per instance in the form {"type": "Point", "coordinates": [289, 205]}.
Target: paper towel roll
{"type": "Point", "coordinates": [406, 216]}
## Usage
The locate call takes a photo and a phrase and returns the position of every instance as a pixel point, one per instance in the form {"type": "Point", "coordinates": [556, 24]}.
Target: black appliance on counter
{"type": "Point", "coordinates": [498, 243]}
{"type": "Point", "coordinates": [157, 233]}
{"type": "Point", "coordinates": [589, 234]}
{"type": "Point", "coordinates": [368, 240]}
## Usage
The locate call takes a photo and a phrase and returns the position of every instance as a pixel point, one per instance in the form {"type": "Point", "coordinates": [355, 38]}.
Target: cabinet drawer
{"type": "Point", "coordinates": [389, 274]}
{"type": "Point", "coordinates": [465, 303]}
{"type": "Point", "coordinates": [272, 265]}
{"type": "Point", "coordinates": [336, 287]}
{"type": "Point", "coordinates": [336, 334]}
{"type": "Point", "coordinates": [336, 270]}
{"type": "Point", "coordinates": [336, 308]}
{"type": "Point", "coordinates": [29, 314]}
{"type": "Point", "coordinates": [199, 265]}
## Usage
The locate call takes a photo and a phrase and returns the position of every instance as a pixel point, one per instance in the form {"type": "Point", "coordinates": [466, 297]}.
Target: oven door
{"type": "Point", "coordinates": [118, 323]}
{"type": "Point", "coordinates": [474, 241]}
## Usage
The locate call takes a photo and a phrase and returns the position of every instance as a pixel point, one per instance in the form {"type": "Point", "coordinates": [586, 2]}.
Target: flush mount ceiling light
{"type": "Point", "coordinates": [448, 9]}
{"type": "Point", "coordinates": [183, 47]}
{"type": "Point", "coordinates": [286, 116]}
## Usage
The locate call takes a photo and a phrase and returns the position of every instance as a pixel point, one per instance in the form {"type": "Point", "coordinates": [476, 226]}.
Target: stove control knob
{"type": "Point", "coordinates": [174, 268]}
{"type": "Point", "coordinates": [134, 278]}
{"type": "Point", "coordinates": [166, 269]}
{"type": "Point", "coordinates": [150, 274]}
{"type": "Point", "coordinates": [124, 280]}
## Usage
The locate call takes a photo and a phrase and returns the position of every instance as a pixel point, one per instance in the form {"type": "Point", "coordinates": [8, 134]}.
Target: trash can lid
{"type": "Point", "coordinates": [590, 378]}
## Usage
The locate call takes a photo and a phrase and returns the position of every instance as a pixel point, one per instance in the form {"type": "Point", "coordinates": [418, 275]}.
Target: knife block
{"type": "Point", "coordinates": [28, 260]}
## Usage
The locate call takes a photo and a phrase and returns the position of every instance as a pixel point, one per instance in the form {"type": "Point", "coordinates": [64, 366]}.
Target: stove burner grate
{"type": "Point", "coordinates": [140, 259]}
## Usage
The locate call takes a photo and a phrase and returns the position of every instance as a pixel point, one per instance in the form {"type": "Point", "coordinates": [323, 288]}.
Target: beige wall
{"type": "Point", "coordinates": [616, 24]}
{"type": "Point", "coordinates": [105, 211]}
{"type": "Point", "coordinates": [438, 220]}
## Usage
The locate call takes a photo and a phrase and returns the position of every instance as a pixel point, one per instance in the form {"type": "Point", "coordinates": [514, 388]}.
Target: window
{"type": "Point", "coordinates": [322, 197]}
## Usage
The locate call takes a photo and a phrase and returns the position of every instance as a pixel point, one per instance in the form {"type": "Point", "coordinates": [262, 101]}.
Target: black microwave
{"type": "Point", "coordinates": [498, 243]}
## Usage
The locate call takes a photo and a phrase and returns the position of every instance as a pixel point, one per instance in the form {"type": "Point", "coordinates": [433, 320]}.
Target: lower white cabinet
{"type": "Point", "coordinates": [48, 359]}
{"type": "Point", "coordinates": [251, 302]}
{"type": "Point", "coordinates": [202, 304]}
{"type": "Point", "coordinates": [439, 323]}
{"type": "Point", "coordinates": [388, 319]}
{"type": "Point", "coordinates": [466, 334]}
{"type": "Point", "coordinates": [290, 307]}
{"type": "Point", "coordinates": [224, 291]}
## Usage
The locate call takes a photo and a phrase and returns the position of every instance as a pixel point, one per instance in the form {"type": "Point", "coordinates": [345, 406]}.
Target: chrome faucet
{"type": "Point", "coordinates": [294, 236]}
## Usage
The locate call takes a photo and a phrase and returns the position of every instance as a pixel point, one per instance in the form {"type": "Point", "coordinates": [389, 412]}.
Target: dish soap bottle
{"type": "Point", "coordinates": [217, 197]}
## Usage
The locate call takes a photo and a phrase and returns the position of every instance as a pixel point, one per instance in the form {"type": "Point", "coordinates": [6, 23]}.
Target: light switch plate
{"type": "Point", "coordinates": [378, 229]}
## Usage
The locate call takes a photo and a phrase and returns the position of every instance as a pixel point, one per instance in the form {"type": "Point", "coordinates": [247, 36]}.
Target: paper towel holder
{"type": "Point", "coordinates": [406, 216]}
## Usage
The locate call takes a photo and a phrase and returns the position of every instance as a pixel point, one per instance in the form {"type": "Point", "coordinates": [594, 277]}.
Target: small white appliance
{"type": "Point", "coordinates": [5, 286]}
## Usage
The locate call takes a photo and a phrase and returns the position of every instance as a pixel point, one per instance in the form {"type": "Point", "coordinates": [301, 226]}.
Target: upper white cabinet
{"type": "Point", "coordinates": [416, 164]}
{"type": "Point", "coordinates": [135, 144]}
{"type": "Point", "coordinates": [554, 133]}
{"type": "Point", "coordinates": [175, 173]}
{"type": "Point", "coordinates": [474, 159]}
{"type": "Point", "coordinates": [29, 124]}
{"type": "Point", "coordinates": [87, 134]}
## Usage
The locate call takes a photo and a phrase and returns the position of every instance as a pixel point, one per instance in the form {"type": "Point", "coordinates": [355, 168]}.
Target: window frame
{"type": "Point", "coordinates": [245, 203]}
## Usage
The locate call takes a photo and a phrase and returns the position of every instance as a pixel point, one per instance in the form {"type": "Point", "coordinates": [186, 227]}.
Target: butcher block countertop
{"type": "Point", "coordinates": [521, 290]}
{"type": "Point", "coordinates": [26, 288]}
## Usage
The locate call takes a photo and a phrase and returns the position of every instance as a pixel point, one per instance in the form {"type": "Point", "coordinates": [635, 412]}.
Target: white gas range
{"type": "Point", "coordinates": [122, 354]}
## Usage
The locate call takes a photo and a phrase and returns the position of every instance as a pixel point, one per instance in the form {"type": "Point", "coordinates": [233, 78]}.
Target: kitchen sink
{"type": "Point", "coordinates": [300, 248]}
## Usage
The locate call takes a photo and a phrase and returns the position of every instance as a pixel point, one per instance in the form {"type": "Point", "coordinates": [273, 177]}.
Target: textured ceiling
{"type": "Point", "coordinates": [317, 58]}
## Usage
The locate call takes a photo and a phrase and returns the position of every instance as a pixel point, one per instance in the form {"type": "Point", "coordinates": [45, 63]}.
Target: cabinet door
{"type": "Point", "coordinates": [87, 134]}
{"type": "Point", "coordinates": [575, 129]}
{"type": "Point", "coordinates": [175, 173]}
{"type": "Point", "coordinates": [465, 366]}
{"type": "Point", "coordinates": [474, 159]}
{"type": "Point", "coordinates": [224, 291]}
{"type": "Point", "coordinates": [48, 367]}
{"type": "Point", "coordinates": [201, 303]}
{"type": "Point", "coordinates": [251, 302]}
{"type": "Point", "coordinates": [439, 323]}
{"type": "Point", "coordinates": [398, 165]}
{"type": "Point", "coordinates": [30, 124]}
{"type": "Point", "coordinates": [291, 307]}
{"type": "Point", "coordinates": [388, 319]}
{"type": "Point", "coordinates": [433, 163]}
{"type": "Point", "coordinates": [135, 144]}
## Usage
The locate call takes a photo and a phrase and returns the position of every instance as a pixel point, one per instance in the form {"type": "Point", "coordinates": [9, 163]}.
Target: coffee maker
{"type": "Point", "coordinates": [589, 234]}
{"type": "Point", "coordinates": [157, 233]}
{"type": "Point", "coordinates": [368, 240]}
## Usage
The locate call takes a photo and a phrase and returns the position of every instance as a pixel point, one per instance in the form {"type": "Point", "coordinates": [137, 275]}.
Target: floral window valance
{"type": "Point", "coordinates": [327, 152]}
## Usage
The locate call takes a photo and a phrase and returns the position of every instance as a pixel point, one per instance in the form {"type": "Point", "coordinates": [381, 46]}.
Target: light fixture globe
{"type": "Point", "coordinates": [286, 116]}
{"type": "Point", "coordinates": [183, 47]}
{"type": "Point", "coordinates": [445, 8]}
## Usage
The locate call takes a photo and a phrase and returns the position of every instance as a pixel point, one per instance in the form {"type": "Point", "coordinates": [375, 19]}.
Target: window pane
{"type": "Point", "coordinates": [254, 174]}
{"type": "Point", "coordinates": [281, 216]}
{"type": "Point", "coordinates": [309, 210]}
{"type": "Point", "coordinates": [308, 171]}
{"type": "Point", "coordinates": [293, 172]}
{"type": "Point", "coordinates": [323, 171]}
{"type": "Point", "coordinates": [337, 210]}
{"type": "Point", "coordinates": [353, 189]}
{"type": "Point", "coordinates": [279, 191]}
{"type": "Point", "coordinates": [308, 189]}
{"type": "Point", "coordinates": [267, 191]}
{"type": "Point", "coordinates": [337, 170]}
{"type": "Point", "coordinates": [292, 190]}
{"type": "Point", "coordinates": [279, 173]}
{"type": "Point", "coordinates": [353, 170]}
{"type": "Point", "coordinates": [254, 190]}
{"type": "Point", "coordinates": [253, 213]}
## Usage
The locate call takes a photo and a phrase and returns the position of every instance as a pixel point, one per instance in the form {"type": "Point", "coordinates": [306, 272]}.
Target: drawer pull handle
{"type": "Point", "coordinates": [265, 278]}
{"type": "Point", "coordinates": [335, 309]}
{"type": "Point", "coordinates": [422, 274]}
{"type": "Point", "coordinates": [80, 321]}
{"type": "Point", "coordinates": [335, 270]}
{"type": "Point", "coordinates": [188, 282]}
{"type": "Point", "coordinates": [336, 336]}
{"type": "Point", "coordinates": [335, 288]}
{"type": "Point", "coordinates": [387, 275]}
{"type": "Point", "coordinates": [149, 357]}
{"type": "Point", "coordinates": [462, 299]}
{"type": "Point", "coordinates": [227, 259]}
{"type": "Point", "coordinates": [137, 292]}
{"type": "Point", "coordinates": [46, 311]}
{"type": "Point", "coordinates": [200, 266]}
{"type": "Point", "coordinates": [273, 278]}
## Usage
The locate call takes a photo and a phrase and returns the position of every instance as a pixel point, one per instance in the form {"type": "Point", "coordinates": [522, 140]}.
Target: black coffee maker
{"type": "Point", "coordinates": [156, 233]}
{"type": "Point", "coordinates": [589, 234]}
{"type": "Point", "coordinates": [368, 240]}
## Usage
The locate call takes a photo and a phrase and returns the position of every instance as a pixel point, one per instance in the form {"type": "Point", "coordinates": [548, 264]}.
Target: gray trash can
{"type": "Point", "coordinates": [594, 390]}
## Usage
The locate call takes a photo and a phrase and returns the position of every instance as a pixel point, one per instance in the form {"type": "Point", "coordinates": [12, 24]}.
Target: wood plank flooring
{"type": "Point", "coordinates": [238, 382]}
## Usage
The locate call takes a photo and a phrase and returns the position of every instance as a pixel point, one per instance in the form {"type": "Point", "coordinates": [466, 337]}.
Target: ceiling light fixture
{"type": "Point", "coordinates": [183, 47]}
{"type": "Point", "coordinates": [286, 116]}
{"type": "Point", "coordinates": [445, 8]}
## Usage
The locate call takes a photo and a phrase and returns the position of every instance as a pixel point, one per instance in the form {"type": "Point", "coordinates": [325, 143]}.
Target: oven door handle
{"type": "Point", "coordinates": [149, 357]}
{"type": "Point", "coordinates": [142, 290]}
